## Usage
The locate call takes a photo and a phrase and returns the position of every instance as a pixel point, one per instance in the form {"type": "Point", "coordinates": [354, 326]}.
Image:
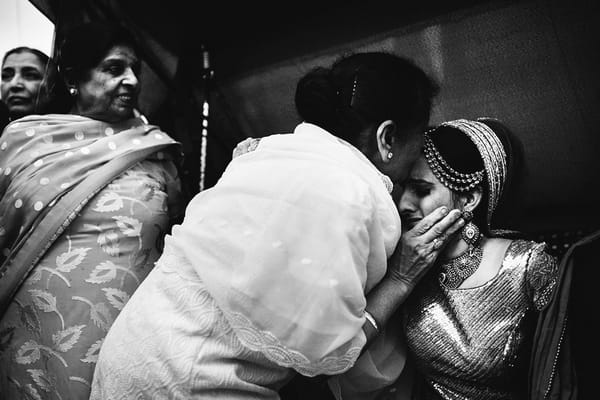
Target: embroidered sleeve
{"type": "Point", "coordinates": [542, 272]}
{"type": "Point", "coordinates": [245, 146]}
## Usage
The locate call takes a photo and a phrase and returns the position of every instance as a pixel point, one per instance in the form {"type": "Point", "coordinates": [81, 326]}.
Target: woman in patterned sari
{"type": "Point", "coordinates": [86, 199]}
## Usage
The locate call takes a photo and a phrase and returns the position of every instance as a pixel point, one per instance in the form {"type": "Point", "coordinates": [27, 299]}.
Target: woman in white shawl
{"type": "Point", "coordinates": [282, 266]}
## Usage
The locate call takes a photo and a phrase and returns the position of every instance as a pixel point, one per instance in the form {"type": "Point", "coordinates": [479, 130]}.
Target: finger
{"type": "Point", "coordinates": [442, 227]}
{"type": "Point", "coordinates": [441, 240]}
{"type": "Point", "coordinates": [429, 220]}
{"type": "Point", "coordinates": [455, 227]}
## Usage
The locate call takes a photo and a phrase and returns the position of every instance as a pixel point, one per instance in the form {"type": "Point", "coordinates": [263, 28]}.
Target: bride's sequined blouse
{"type": "Point", "coordinates": [471, 343]}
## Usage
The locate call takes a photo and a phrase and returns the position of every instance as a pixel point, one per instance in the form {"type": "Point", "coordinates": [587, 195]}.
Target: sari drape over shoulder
{"type": "Point", "coordinates": [83, 204]}
{"type": "Point", "coordinates": [43, 157]}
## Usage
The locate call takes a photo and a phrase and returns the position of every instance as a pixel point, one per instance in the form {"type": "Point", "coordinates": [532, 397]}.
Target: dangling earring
{"type": "Point", "coordinates": [73, 91]}
{"type": "Point", "coordinates": [390, 155]}
{"type": "Point", "coordinates": [470, 232]}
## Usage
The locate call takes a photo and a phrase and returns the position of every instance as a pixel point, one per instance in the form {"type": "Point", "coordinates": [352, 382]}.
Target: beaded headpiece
{"type": "Point", "coordinates": [491, 151]}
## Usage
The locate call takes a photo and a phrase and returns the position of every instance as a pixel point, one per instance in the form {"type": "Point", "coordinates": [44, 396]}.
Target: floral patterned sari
{"type": "Point", "coordinates": [58, 306]}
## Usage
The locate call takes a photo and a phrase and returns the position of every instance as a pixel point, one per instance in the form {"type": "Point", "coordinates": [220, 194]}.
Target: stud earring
{"type": "Point", "coordinates": [390, 155]}
{"type": "Point", "coordinates": [73, 91]}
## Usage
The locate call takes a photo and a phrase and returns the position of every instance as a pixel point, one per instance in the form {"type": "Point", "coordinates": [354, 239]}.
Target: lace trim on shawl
{"type": "Point", "coordinates": [264, 341]}
{"type": "Point", "coordinates": [269, 345]}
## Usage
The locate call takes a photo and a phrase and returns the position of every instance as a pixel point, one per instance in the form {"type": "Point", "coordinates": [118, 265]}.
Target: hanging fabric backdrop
{"type": "Point", "coordinates": [532, 64]}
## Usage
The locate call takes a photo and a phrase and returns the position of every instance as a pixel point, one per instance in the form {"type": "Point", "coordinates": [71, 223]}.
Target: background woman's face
{"type": "Point", "coordinates": [22, 77]}
{"type": "Point", "coordinates": [423, 193]}
{"type": "Point", "coordinates": [109, 91]}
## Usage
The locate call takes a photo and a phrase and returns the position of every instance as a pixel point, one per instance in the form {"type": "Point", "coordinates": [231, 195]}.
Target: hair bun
{"type": "Point", "coordinates": [317, 97]}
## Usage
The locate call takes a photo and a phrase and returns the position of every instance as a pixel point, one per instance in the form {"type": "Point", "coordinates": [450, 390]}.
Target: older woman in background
{"type": "Point", "coordinates": [86, 199]}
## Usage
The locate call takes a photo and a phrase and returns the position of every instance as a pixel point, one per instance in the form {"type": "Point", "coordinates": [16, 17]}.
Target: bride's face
{"type": "Point", "coordinates": [423, 193]}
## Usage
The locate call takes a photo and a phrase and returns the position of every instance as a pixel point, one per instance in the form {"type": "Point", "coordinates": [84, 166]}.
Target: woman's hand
{"type": "Point", "coordinates": [419, 247]}
{"type": "Point", "coordinates": [414, 255]}
{"type": "Point", "coordinates": [245, 146]}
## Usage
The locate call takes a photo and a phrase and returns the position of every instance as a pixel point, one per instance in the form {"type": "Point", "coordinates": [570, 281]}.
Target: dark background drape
{"type": "Point", "coordinates": [532, 64]}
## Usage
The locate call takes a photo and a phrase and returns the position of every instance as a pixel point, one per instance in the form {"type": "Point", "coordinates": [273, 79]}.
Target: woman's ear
{"type": "Point", "coordinates": [386, 135]}
{"type": "Point", "coordinates": [471, 199]}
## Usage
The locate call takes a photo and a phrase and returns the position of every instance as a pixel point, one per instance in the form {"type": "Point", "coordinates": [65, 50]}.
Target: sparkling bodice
{"type": "Point", "coordinates": [472, 343]}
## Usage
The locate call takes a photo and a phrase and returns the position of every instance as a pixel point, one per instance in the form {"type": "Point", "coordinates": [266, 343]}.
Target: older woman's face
{"type": "Point", "coordinates": [423, 193]}
{"type": "Point", "coordinates": [109, 91]}
{"type": "Point", "coordinates": [22, 77]}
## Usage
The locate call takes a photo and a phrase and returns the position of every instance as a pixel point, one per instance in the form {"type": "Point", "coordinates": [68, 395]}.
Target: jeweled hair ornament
{"type": "Point", "coordinates": [492, 153]}
{"type": "Point", "coordinates": [449, 177]}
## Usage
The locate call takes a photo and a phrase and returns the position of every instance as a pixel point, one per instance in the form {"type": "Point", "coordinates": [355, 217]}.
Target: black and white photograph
{"type": "Point", "coordinates": [299, 200]}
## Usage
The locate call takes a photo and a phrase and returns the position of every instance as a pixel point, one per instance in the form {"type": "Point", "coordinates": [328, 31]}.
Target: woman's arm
{"type": "Point", "coordinates": [385, 357]}
{"type": "Point", "coordinates": [414, 255]}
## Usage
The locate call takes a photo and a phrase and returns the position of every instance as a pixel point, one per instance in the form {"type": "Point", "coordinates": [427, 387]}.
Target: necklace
{"type": "Point", "coordinates": [455, 271]}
